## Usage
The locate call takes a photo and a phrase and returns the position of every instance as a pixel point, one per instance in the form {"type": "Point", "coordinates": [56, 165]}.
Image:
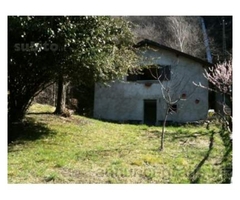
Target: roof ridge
{"type": "Point", "coordinates": [147, 42]}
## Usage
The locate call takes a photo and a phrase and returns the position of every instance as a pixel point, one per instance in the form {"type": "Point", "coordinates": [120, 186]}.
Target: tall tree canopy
{"type": "Point", "coordinates": [43, 49]}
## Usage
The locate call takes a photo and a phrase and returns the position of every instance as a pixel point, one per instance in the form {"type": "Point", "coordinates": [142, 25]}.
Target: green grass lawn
{"type": "Point", "coordinates": [53, 149]}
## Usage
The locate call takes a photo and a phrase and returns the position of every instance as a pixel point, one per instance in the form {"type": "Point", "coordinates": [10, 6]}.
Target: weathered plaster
{"type": "Point", "coordinates": [124, 101]}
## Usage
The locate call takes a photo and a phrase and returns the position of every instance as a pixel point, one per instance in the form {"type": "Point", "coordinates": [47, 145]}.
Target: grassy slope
{"type": "Point", "coordinates": [82, 150]}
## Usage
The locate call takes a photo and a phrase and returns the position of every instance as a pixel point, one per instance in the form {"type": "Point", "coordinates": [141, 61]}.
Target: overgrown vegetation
{"type": "Point", "coordinates": [53, 149]}
{"type": "Point", "coordinates": [47, 49]}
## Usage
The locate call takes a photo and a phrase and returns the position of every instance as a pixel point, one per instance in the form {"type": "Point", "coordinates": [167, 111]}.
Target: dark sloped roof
{"type": "Point", "coordinates": [151, 43]}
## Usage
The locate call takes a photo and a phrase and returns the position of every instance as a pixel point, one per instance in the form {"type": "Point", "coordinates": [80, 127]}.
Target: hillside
{"type": "Point", "coordinates": [54, 149]}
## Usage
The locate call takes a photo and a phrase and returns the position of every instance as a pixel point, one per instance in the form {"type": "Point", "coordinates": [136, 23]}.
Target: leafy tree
{"type": "Point", "coordinates": [29, 67]}
{"type": "Point", "coordinates": [42, 50]}
{"type": "Point", "coordinates": [103, 52]}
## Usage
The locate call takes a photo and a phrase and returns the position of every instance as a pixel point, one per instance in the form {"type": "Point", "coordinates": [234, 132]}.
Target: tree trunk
{"type": "Point", "coordinates": [163, 129]}
{"type": "Point", "coordinates": [61, 96]}
{"type": "Point", "coordinates": [17, 108]}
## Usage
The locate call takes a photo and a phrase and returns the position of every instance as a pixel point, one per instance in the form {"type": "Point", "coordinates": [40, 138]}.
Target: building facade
{"type": "Point", "coordinates": [141, 98]}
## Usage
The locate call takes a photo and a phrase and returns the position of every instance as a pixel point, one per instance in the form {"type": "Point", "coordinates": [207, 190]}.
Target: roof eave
{"type": "Point", "coordinates": [146, 42]}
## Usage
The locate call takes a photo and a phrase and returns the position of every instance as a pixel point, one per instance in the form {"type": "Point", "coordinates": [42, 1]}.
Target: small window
{"type": "Point", "coordinates": [173, 108]}
{"type": "Point", "coordinates": [165, 73]}
{"type": "Point", "coordinates": [152, 73]}
{"type": "Point", "coordinates": [149, 73]}
{"type": "Point", "coordinates": [132, 77]}
{"type": "Point", "coordinates": [197, 101]}
{"type": "Point", "coordinates": [183, 96]}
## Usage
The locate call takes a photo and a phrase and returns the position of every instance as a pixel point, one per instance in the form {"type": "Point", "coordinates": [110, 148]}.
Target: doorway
{"type": "Point", "coordinates": [150, 112]}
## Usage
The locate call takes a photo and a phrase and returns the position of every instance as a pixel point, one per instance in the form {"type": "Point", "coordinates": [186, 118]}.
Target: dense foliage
{"type": "Point", "coordinates": [42, 49]}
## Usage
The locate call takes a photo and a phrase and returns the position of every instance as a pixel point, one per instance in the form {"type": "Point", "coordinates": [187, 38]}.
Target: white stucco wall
{"type": "Point", "coordinates": [124, 101]}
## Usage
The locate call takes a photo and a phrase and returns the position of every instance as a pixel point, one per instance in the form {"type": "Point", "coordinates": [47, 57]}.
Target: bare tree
{"type": "Point", "coordinates": [146, 27]}
{"type": "Point", "coordinates": [183, 33]}
{"type": "Point", "coordinates": [186, 35]}
{"type": "Point", "coordinates": [180, 30]}
{"type": "Point", "coordinates": [172, 93]}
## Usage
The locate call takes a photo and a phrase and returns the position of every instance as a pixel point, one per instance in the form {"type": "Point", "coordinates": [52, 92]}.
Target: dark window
{"type": "Point", "coordinates": [132, 77]}
{"type": "Point", "coordinates": [165, 72]}
{"type": "Point", "coordinates": [184, 96]}
{"type": "Point", "coordinates": [149, 73]}
{"type": "Point", "coordinates": [152, 73]}
{"type": "Point", "coordinates": [173, 108]}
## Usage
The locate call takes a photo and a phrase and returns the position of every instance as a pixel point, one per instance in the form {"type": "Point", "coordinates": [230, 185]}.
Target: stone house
{"type": "Point", "coordinates": [138, 98]}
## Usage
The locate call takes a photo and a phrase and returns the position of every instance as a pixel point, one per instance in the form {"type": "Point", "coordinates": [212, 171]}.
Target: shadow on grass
{"type": "Point", "coordinates": [226, 162]}
{"type": "Point", "coordinates": [227, 157]}
{"type": "Point", "coordinates": [194, 177]}
{"type": "Point", "coordinates": [40, 113]}
{"type": "Point", "coordinates": [189, 135]}
{"type": "Point", "coordinates": [180, 134]}
{"type": "Point", "coordinates": [28, 130]}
